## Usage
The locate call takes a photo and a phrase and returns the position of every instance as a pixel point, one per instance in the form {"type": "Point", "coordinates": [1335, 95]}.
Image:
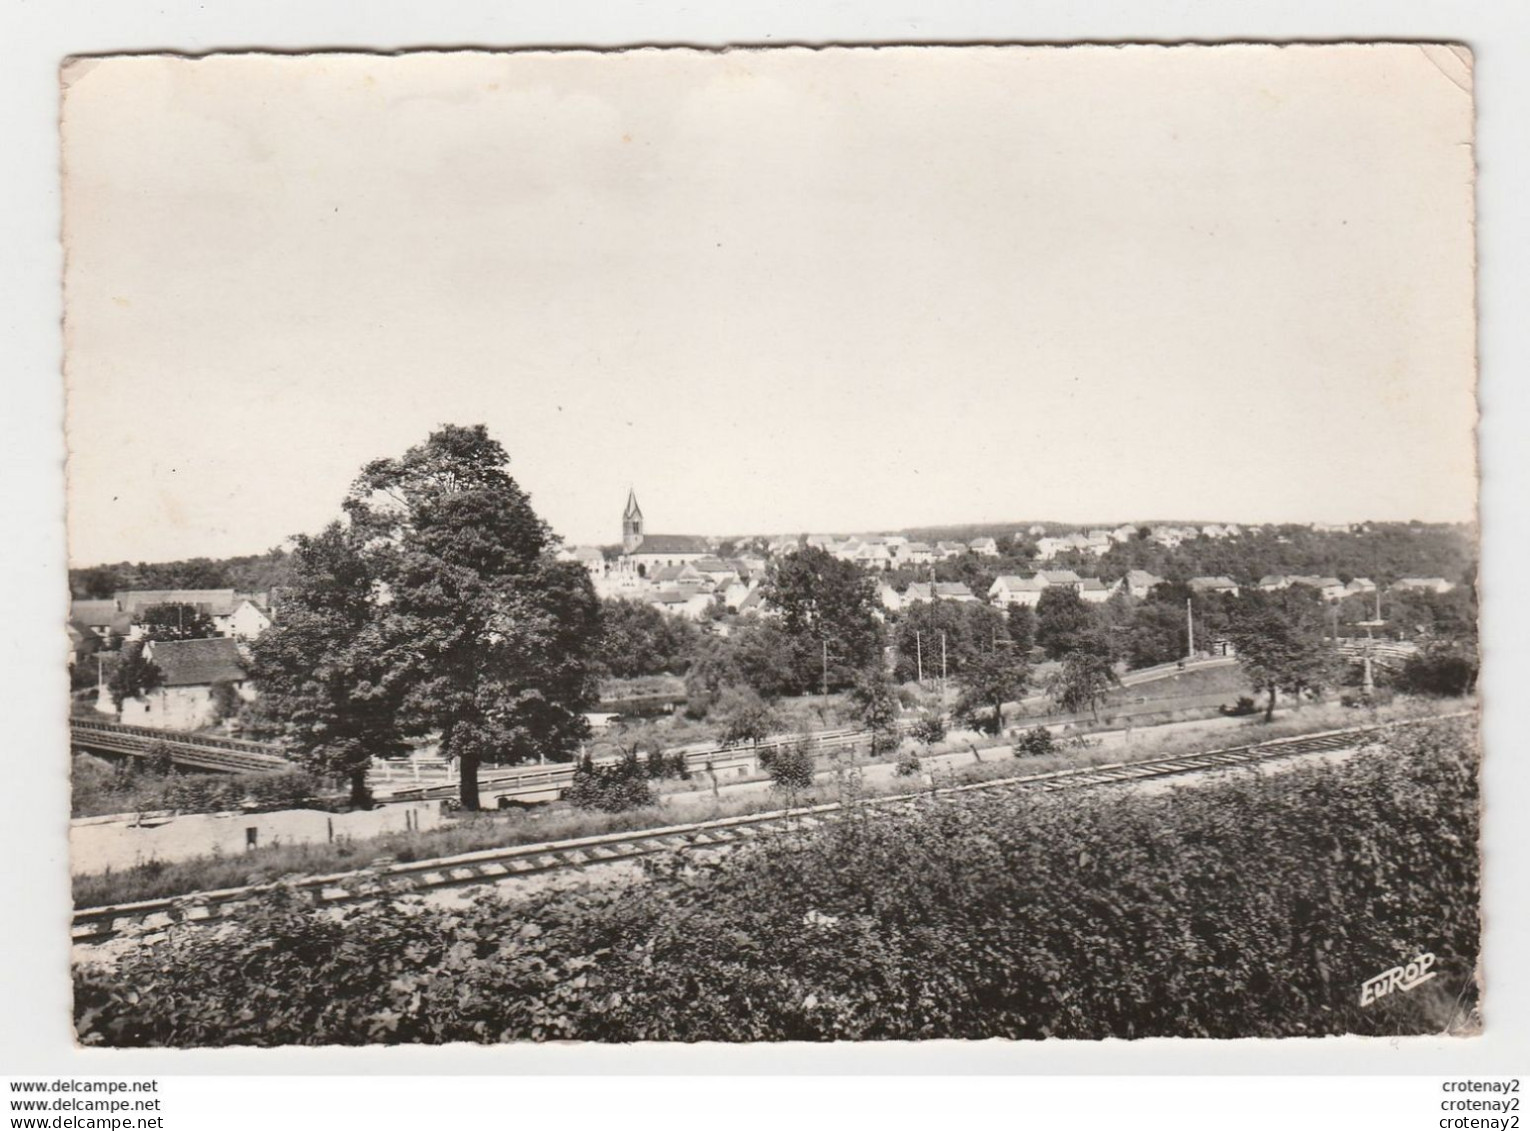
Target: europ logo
{"type": "Point", "coordinates": [1399, 979]}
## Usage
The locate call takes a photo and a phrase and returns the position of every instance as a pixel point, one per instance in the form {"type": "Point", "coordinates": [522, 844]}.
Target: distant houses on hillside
{"type": "Point", "coordinates": [238, 616]}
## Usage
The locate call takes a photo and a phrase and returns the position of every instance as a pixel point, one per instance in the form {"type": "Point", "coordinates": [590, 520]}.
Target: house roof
{"type": "Point", "coordinates": [587, 554]}
{"type": "Point", "coordinates": [916, 548]}
{"type": "Point", "coordinates": [1213, 583]}
{"type": "Point", "coordinates": [670, 597]}
{"type": "Point", "coordinates": [101, 614]}
{"type": "Point", "coordinates": [671, 544]}
{"type": "Point", "coordinates": [1138, 577]}
{"type": "Point", "coordinates": [666, 573]}
{"type": "Point", "coordinates": [917, 591]}
{"type": "Point", "coordinates": [1059, 576]}
{"type": "Point", "coordinates": [190, 663]}
{"type": "Point", "coordinates": [952, 589]}
{"type": "Point", "coordinates": [213, 602]}
{"type": "Point", "coordinates": [712, 565]}
{"type": "Point", "coordinates": [1315, 581]}
{"type": "Point", "coordinates": [951, 546]}
{"type": "Point", "coordinates": [1016, 582]}
{"type": "Point", "coordinates": [1091, 585]}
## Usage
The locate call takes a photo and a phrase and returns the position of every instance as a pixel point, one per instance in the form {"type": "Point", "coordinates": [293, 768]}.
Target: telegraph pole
{"type": "Point", "coordinates": [919, 656]}
{"type": "Point", "coordinates": [1190, 629]}
{"type": "Point", "coordinates": [826, 666]}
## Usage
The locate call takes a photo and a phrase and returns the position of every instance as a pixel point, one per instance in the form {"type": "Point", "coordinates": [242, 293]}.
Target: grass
{"type": "Point", "coordinates": [1228, 680]}
{"type": "Point", "coordinates": [478, 831]}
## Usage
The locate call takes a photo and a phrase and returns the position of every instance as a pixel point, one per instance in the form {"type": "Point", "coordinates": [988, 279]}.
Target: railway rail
{"type": "Point", "coordinates": [96, 924]}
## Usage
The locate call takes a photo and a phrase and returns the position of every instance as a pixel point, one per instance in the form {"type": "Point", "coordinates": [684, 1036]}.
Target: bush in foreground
{"type": "Point", "coordinates": [1253, 908]}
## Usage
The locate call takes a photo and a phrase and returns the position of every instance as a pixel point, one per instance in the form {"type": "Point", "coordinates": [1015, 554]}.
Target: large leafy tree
{"type": "Point", "coordinates": [876, 705]}
{"type": "Point", "coordinates": [132, 675]}
{"type": "Point", "coordinates": [637, 639]}
{"type": "Point", "coordinates": [325, 686]}
{"type": "Point", "coordinates": [1279, 639]}
{"type": "Point", "coordinates": [490, 640]}
{"type": "Point", "coordinates": [1087, 675]}
{"type": "Point", "coordinates": [828, 616]}
{"type": "Point", "coordinates": [1061, 618]}
{"type": "Point", "coordinates": [989, 679]}
{"type": "Point", "coordinates": [175, 622]}
{"type": "Point", "coordinates": [924, 629]}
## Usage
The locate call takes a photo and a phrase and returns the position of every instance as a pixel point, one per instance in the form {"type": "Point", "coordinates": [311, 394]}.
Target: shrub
{"type": "Point", "coordinates": [1253, 908]}
{"type": "Point", "coordinates": [1442, 669]}
{"type": "Point", "coordinates": [791, 765]}
{"type": "Point", "coordinates": [612, 788]}
{"type": "Point", "coordinates": [159, 759]}
{"type": "Point", "coordinates": [908, 764]}
{"type": "Point", "coordinates": [1035, 743]}
{"type": "Point", "coordinates": [1244, 706]}
{"type": "Point", "coordinates": [929, 728]}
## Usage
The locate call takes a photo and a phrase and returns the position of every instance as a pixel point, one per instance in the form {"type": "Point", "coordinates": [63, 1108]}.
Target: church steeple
{"type": "Point", "coordinates": [632, 523]}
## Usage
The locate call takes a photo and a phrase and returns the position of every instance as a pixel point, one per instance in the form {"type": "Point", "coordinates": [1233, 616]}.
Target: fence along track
{"type": "Point", "coordinates": [490, 865]}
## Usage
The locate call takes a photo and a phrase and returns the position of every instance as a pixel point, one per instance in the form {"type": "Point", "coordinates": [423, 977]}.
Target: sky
{"type": "Point", "coordinates": [773, 291]}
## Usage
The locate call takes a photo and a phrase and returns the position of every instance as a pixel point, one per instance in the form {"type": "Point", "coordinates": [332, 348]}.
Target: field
{"type": "Point", "coordinates": [1255, 907]}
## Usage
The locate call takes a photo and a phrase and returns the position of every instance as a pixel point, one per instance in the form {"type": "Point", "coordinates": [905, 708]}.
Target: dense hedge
{"type": "Point", "coordinates": [1255, 908]}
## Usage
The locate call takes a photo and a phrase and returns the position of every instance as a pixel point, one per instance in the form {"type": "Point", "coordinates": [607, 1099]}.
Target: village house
{"type": "Point", "coordinates": [589, 557]}
{"type": "Point", "coordinates": [888, 597]}
{"type": "Point", "coordinates": [1273, 581]}
{"type": "Point", "coordinates": [1360, 585]}
{"type": "Point", "coordinates": [949, 549]}
{"type": "Point", "coordinates": [689, 603]}
{"type": "Point", "coordinates": [1329, 588]}
{"type": "Point", "coordinates": [248, 620]}
{"type": "Point", "coordinates": [1048, 548]}
{"type": "Point", "coordinates": [954, 591]}
{"type": "Point", "coordinates": [1139, 582]}
{"type": "Point", "coordinates": [916, 553]}
{"type": "Point", "coordinates": [105, 619]}
{"type": "Point", "coordinates": [709, 573]}
{"type": "Point", "coordinates": [83, 643]}
{"type": "Point", "coordinates": [1060, 577]}
{"type": "Point", "coordinates": [874, 555]}
{"type": "Point", "coordinates": [189, 673]}
{"type": "Point", "coordinates": [986, 547]}
{"type": "Point", "coordinates": [1012, 589]}
{"type": "Point", "coordinates": [1214, 585]}
{"type": "Point", "coordinates": [1431, 584]}
{"type": "Point", "coordinates": [1093, 590]}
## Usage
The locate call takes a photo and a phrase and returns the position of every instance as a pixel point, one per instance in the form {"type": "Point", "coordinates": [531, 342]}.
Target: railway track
{"type": "Point", "coordinates": [96, 924]}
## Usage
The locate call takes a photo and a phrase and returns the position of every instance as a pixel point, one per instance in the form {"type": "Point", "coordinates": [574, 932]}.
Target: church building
{"type": "Point", "coordinates": [643, 553]}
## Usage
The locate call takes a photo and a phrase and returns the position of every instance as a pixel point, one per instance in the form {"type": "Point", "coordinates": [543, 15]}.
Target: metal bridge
{"type": "Point", "coordinates": [194, 752]}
